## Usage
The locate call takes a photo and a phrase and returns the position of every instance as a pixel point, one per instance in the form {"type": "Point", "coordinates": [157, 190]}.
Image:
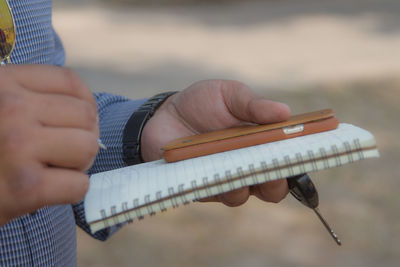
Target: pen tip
{"type": "Point", "coordinates": [101, 145]}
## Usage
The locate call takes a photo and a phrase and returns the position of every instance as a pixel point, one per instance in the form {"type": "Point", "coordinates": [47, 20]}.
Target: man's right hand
{"type": "Point", "coordinates": [48, 138]}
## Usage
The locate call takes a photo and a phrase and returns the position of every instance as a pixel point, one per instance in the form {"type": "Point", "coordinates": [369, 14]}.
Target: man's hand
{"type": "Point", "coordinates": [211, 105]}
{"type": "Point", "coordinates": [48, 137]}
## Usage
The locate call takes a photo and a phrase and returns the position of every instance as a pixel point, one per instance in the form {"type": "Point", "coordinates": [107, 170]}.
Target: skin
{"type": "Point", "coordinates": [48, 137]}
{"type": "Point", "coordinates": [212, 105]}
{"type": "Point", "coordinates": [49, 132]}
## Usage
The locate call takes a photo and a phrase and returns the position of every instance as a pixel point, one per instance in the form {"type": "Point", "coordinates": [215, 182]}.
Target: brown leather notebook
{"type": "Point", "coordinates": [249, 135]}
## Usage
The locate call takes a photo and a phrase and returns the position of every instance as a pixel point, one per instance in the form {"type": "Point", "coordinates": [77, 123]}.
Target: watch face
{"type": "Point", "coordinates": [7, 31]}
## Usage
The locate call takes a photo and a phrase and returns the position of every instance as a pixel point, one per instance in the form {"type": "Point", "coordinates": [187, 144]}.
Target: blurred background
{"type": "Point", "coordinates": [311, 54]}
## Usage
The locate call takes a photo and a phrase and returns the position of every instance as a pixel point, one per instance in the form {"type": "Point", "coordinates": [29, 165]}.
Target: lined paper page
{"type": "Point", "coordinates": [135, 191]}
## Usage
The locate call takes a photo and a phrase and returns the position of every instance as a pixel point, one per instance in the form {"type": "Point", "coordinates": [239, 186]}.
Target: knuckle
{"type": "Point", "coordinates": [23, 180]}
{"type": "Point", "coordinates": [11, 105]}
{"type": "Point", "coordinates": [81, 191]}
{"type": "Point", "coordinates": [89, 114]}
{"type": "Point", "coordinates": [89, 152]}
{"type": "Point", "coordinates": [93, 147]}
{"type": "Point", "coordinates": [74, 81]}
{"type": "Point", "coordinates": [14, 142]}
{"type": "Point", "coordinates": [84, 188]}
{"type": "Point", "coordinates": [77, 87]}
{"type": "Point", "coordinates": [5, 73]}
{"type": "Point", "coordinates": [232, 86]}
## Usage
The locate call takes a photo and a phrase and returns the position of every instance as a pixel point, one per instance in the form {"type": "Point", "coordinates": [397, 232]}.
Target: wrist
{"type": "Point", "coordinates": [135, 126]}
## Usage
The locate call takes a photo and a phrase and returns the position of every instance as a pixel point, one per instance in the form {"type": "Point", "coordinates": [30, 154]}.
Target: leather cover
{"type": "Point", "coordinates": [249, 135]}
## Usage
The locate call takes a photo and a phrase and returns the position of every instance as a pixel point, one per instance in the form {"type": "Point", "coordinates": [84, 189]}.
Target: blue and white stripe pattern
{"type": "Point", "coordinates": [48, 237]}
{"type": "Point", "coordinates": [36, 40]}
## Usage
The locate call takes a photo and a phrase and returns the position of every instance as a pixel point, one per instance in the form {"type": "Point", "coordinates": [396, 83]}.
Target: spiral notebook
{"type": "Point", "coordinates": [133, 192]}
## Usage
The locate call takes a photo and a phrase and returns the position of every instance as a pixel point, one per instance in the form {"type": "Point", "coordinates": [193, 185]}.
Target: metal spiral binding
{"type": "Point", "coordinates": [347, 147]}
{"type": "Point", "coordinates": [149, 208]}
{"type": "Point", "coordinates": [103, 216]}
{"type": "Point", "coordinates": [240, 175]}
{"type": "Point", "coordinates": [324, 156]}
{"type": "Point", "coordinates": [229, 178]}
{"type": "Point", "coordinates": [253, 173]}
{"type": "Point", "coordinates": [288, 162]}
{"type": "Point", "coordinates": [300, 161]}
{"type": "Point", "coordinates": [205, 183]}
{"type": "Point", "coordinates": [196, 192]}
{"type": "Point", "coordinates": [113, 214]}
{"type": "Point", "coordinates": [178, 195]}
{"type": "Point", "coordinates": [357, 144]}
{"type": "Point", "coordinates": [217, 181]}
{"type": "Point", "coordinates": [264, 168]}
{"type": "Point", "coordinates": [336, 152]}
{"type": "Point", "coordinates": [161, 204]}
{"type": "Point", "coordinates": [138, 213]}
{"type": "Point", "coordinates": [173, 199]}
{"type": "Point", "coordinates": [181, 191]}
{"type": "Point", "coordinates": [311, 157]}
{"type": "Point", "coordinates": [277, 169]}
{"type": "Point", "coordinates": [125, 212]}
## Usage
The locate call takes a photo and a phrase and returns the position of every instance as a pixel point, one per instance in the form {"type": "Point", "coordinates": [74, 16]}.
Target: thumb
{"type": "Point", "coordinates": [247, 106]}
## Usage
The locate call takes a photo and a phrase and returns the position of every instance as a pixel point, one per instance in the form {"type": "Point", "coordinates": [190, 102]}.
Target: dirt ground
{"type": "Point", "coordinates": [309, 54]}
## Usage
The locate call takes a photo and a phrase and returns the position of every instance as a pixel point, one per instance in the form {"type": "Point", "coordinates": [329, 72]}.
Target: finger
{"type": "Point", "coordinates": [273, 191]}
{"type": "Point", "coordinates": [232, 199]}
{"type": "Point", "coordinates": [61, 186]}
{"type": "Point", "coordinates": [236, 197]}
{"type": "Point", "coordinates": [209, 199]}
{"type": "Point", "coordinates": [248, 106]}
{"type": "Point", "coordinates": [50, 79]}
{"type": "Point", "coordinates": [31, 187]}
{"type": "Point", "coordinates": [63, 111]}
{"type": "Point", "coordinates": [66, 147]}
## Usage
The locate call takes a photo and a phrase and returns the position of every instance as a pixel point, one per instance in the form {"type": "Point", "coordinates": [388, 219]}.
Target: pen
{"type": "Point", "coordinates": [101, 145]}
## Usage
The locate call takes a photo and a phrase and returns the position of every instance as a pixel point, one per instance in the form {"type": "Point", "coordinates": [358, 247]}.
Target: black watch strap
{"type": "Point", "coordinates": [134, 127]}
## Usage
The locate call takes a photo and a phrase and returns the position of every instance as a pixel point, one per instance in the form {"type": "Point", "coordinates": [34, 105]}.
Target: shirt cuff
{"type": "Point", "coordinates": [114, 112]}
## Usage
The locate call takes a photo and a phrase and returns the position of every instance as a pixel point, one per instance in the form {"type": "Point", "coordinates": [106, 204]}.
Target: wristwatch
{"type": "Point", "coordinates": [134, 127]}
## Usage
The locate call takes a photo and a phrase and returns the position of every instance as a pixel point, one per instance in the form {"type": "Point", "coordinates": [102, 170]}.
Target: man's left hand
{"type": "Point", "coordinates": [212, 105]}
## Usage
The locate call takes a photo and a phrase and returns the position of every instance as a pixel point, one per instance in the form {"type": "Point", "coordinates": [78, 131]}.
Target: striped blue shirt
{"type": "Point", "coordinates": [48, 237]}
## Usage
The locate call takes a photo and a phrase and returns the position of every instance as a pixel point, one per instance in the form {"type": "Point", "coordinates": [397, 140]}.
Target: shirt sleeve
{"type": "Point", "coordinates": [114, 112]}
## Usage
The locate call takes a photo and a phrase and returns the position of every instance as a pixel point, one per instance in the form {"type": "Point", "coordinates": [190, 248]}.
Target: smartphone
{"type": "Point", "coordinates": [249, 135]}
